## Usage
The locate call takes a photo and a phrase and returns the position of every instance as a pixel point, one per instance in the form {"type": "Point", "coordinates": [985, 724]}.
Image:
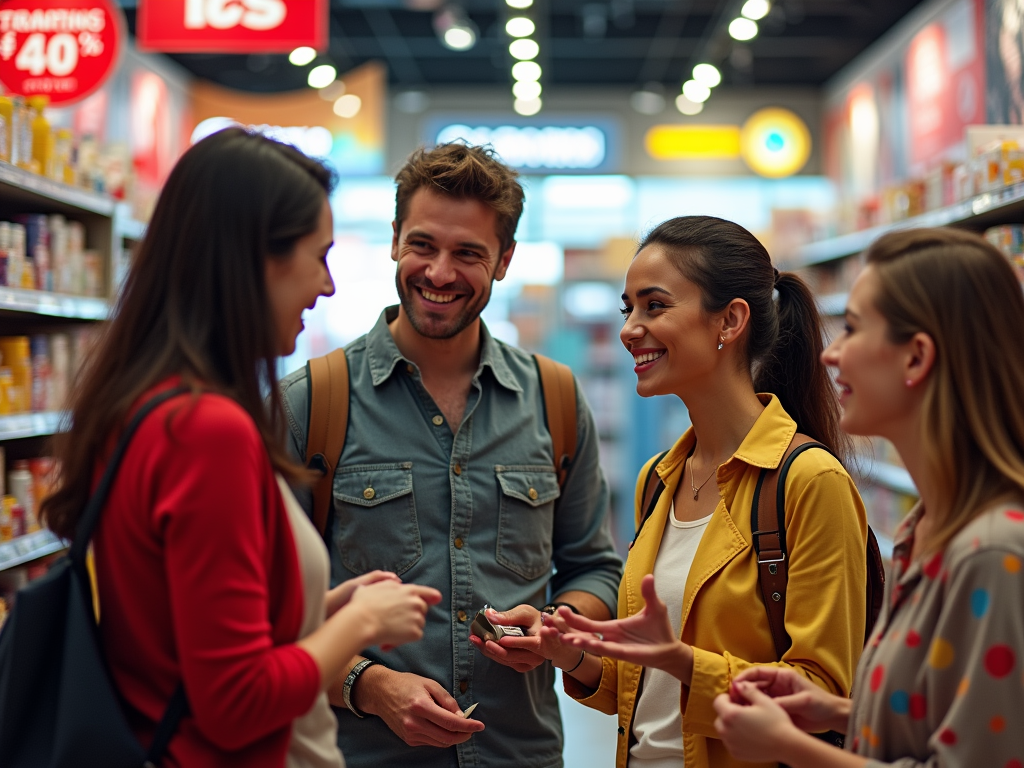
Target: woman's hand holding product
{"type": "Point", "coordinates": [809, 707]}
{"type": "Point", "coordinates": [646, 638]}
{"type": "Point", "coordinates": [339, 596]}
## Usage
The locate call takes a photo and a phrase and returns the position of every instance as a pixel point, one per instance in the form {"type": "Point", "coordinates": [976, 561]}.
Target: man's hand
{"type": "Point", "coordinates": [420, 711]}
{"type": "Point", "coordinates": [520, 653]}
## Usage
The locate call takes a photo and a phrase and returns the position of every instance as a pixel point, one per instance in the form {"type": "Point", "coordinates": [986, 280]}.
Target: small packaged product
{"type": "Point", "coordinates": [485, 630]}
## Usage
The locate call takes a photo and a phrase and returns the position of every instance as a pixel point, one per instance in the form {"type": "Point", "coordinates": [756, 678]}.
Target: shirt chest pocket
{"type": "Point", "coordinates": [375, 517]}
{"type": "Point", "coordinates": [526, 521]}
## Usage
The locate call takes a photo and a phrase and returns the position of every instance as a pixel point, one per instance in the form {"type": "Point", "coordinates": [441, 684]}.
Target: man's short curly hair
{"type": "Point", "coordinates": [468, 173]}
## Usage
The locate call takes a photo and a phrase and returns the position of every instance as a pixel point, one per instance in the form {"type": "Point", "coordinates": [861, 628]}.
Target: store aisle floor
{"type": "Point", "coordinates": [589, 734]}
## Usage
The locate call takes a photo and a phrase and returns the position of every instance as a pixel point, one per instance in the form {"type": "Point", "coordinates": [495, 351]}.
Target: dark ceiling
{"type": "Point", "coordinates": [583, 43]}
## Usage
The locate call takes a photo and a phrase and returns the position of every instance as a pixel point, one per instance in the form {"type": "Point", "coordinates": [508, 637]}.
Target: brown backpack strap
{"type": "Point", "coordinates": [327, 378]}
{"type": "Point", "coordinates": [559, 388]}
{"type": "Point", "coordinates": [770, 540]}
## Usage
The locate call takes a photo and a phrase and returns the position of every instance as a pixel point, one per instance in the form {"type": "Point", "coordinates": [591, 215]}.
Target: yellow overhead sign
{"type": "Point", "coordinates": [693, 142]}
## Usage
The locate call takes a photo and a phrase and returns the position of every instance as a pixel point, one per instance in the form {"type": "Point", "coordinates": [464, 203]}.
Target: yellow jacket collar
{"type": "Point", "coordinates": [763, 446]}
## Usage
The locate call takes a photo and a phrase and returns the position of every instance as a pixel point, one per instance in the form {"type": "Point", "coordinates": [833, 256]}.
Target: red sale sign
{"type": "Point", "coordinates": [64, 49]}
{"type": "Point", "coordinates": [231, 26]}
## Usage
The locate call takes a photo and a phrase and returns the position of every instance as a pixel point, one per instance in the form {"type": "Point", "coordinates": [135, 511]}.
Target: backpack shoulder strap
{"type": "Point", "coordinates": [559, 388]}
{"type": "Point", "coordinates": [653, 487]}
{"type": "Point", "coordinates": [327, 379]}
{"type": "Point", "coordinates": [768, 513]}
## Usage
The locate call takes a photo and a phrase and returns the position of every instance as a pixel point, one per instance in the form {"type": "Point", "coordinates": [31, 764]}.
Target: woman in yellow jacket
{"type": "Point", "coordinates": [707, 318]}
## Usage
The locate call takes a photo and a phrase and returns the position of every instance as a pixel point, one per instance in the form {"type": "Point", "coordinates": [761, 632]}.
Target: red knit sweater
{"type": "Point", "coordinates": [199, 580]}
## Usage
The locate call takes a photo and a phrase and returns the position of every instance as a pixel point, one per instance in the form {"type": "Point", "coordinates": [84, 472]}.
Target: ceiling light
{"type": "Point", "coordinates": [756, 9]}
{"type": "Point", "coordinates": [707, 74]}
{"type": "Point", "coordinates": [524, 49]}
{"type": "Point", "coordinates": [322, 76]}
{"type": "Point", "coordinates": [526, 90]}
{"type": "Point", "coordinates": [300, 57]}
{"type": "Point", "coordinates": [688, 107]}
{"type": "Point", "coordinates": [520, 26]}
{"type": "Point", "coordinates": [527, 107]}
{"type": "Point", "coordinates": [454, 28]}
{"type": "Point", "coordinates": [696, 92]}
{"type": "Point", "coordinates": [526, 70]}
{"type": "Point", "coordinates": [743, 29]}
{"type": "Point", "coordinates": [519, 4]}
{"type": "Point", "coordinates": [647, 102]}
{"type": "Point", "coordinates": [348, 105]}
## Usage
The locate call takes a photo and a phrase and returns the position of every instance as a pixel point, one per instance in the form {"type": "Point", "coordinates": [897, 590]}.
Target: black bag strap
{"type": "Point", "coordinates": [653, 487]}
{"type": "Point", "coordinates": [91, 516]}
{"type": "Point", "coordinates": [177, 708]}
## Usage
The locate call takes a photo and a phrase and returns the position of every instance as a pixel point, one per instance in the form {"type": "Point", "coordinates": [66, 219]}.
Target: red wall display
{"type": "Point", "coordinates": [231, 26]}
{"type": "Point", "coordinates": [64, 49]}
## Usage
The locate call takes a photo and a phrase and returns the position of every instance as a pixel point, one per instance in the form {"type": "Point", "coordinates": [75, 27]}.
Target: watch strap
{"type": "Point", "coordinates": [350, 681]}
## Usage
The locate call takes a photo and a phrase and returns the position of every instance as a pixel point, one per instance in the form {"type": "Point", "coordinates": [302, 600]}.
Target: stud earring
{"type": "Point", "coordinates": [910, 383]}
{"type": "Point", "coordinates": [721, 343]}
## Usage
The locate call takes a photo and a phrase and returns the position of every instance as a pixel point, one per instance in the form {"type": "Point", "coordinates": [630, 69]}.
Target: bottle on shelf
{"type": "Point", "coordinates": [15, 353]}
{"type": "Point", "coordinates": [42, 136]}
{"type": "Point", "coordinates": [6, 122]}
{"type": "Point", "coordinates": [21, 134]}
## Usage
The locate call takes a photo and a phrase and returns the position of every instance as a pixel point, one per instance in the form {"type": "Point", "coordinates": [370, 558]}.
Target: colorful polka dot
{"type": "Point", "coordinates": [941, 654]}
{"type": "Point", "coordinates": [900, 702]}
{"type": "Point", "coordinates": [1016, 515]}
{"type": "Point", "coordinates": [965, 685]}
{"type": "Point", "coordinates": [933, 566]}
{"type": "Point", "coordinates": [913, 639]}
{"type": "Point", "coordinates": [997, 724]}
{"type": "Point", "coordinates": [1011, 563]}
{"type": "Point", "coordinates": [877, 675]}
{"type": "Point", "coordinates": [918, 706]}
{"type": "Point", "coordinates": [947, 736]}
{"type": "Point", "coordinates": [979, 602]}
{"type": "Point", "coordinates": [1000, 660]}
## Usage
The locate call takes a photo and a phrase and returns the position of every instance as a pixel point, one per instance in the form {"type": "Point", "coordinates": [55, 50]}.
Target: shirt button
{"type": "Point", "coordinates": [458, 469]}
{"type": "Point", "coordinates": [409, 368]}
{"type": "Point", "coordinates": [532, 493]}
{"type": "Point", "coordinates": [463, 686]}
{"type": "Point", "coordinates": [462, 615]}
{"type": "Point", "coordinates": [458, 543]}
{"type": "Point", "coordinates": [369, 493]}
{"type": "Point", "coordinates": [438, 421]}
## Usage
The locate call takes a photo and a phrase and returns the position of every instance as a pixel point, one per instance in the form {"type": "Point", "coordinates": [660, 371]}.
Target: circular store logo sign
{"type": "Point", "coordinates": [63, 49]}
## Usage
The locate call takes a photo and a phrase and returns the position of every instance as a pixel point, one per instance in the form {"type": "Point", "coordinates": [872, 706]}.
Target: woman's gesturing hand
{"type": "Point", "coordinates": [756, 729]}
{"type": "Point", "coordinates": [397, 610]}
{"type": "Point", "coordinates": [808, 706]}
{"type": "Point", "coordinates": [341, 594]}
{"type": "Point", "coordinates": [646, 638]}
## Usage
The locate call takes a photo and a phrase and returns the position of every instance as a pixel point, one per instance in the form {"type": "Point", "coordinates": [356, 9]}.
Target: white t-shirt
{"type": "Point", "coordinates": [658, 721]}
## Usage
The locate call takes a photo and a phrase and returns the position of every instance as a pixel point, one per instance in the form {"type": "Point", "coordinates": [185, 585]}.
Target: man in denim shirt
{"type": "Point", "coordinates": [447, 478]}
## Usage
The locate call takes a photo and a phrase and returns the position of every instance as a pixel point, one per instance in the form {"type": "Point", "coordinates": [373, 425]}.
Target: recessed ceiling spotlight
{"type": "Point", "coordinates": [454, 28]}
{"type": "Point", "coordinates": [743, 29]}
{"type": "Point", "coordinates": [527, 107]}
{"type": "Point", "coordinates": [756, 9]}
{"type": "Point", "coordinates": [526, 70]}
{"type": "Point", "coordinates": [526, 90]}
{"type": "Point", "coordinates": [459, 38]}
{"type": "Point", "coordinates": [524, 49]}
{"type": "Point", "coordinates": [322, 76]}
{"type": "Point", "coordinates": [519, 4]}
{"type": "Point", "coordinates": [696, 92]}
{"type": "Point", "coordinates": [647, 102]}
{"type": "Point", "coordinates": [688, 107]}
{"type": "Point", "coordinates": [520, 26]}
{"type": "Point", "coordinates": [300, 57]}
{"type": "Point", "coordinates": [707, 74]}
{"type": "Point", "coordinates": [348, 105]}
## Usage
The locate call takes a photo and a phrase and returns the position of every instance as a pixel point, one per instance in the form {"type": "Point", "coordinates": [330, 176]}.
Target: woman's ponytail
{"type": "Point", "coordinates": [784, 341]}
{"type": "Point", "coordinates": [793, 370]}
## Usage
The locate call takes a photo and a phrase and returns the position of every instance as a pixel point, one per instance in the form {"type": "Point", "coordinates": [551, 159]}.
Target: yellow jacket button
{"type": "Point", "coordinates": [369, 493]}
{"type": "Point", "coordinates": [438, 421]}
{"type": "Point", "coordinates": [532, 493]}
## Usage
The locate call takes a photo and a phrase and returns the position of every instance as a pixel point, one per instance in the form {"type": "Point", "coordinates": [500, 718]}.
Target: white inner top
{"type": "Point", "coordinates": [658, 721]}
{"type": "Point", "coordinates": [314, 742]}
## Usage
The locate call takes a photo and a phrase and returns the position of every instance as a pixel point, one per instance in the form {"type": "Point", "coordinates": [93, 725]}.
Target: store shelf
{"type": "Point", "coordinates": [1001, 206]}
{"type": "Point", "coordinates": [887, 475]}
{"type": "Point", "coordinates": [53, 304]}
{"type": "Point", "coordinates": [30, 425]}
{"type": "Point", "coordinates": [833, 304]}
{"type": "Point", "coordinates": [26, 185]}
{"type": "Point", "coordinates": [25, 549]}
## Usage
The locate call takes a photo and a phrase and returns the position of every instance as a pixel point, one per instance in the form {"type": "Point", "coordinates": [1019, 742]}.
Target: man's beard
{"type": "Point", "coordinates": [425, 324]}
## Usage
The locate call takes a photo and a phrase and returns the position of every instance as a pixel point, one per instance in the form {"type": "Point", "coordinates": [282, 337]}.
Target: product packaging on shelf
{"type": "Point", "coordinates": [15, 354]}
{"type": "Point", "coordinates": [1009, 239]}
{"type": "Point", "coordinates": [40, 347]}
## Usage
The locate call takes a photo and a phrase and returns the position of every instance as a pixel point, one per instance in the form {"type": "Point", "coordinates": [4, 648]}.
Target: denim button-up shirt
{"type": "Point", "coordinates": [475, 512]}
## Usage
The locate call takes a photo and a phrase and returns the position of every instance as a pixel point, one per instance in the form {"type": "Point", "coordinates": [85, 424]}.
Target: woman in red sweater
{"type": "Point", "coordinates": [206, 574]}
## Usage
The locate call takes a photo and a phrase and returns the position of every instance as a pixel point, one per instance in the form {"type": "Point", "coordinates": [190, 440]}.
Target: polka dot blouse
{"type": "Point", "coordinates": [941, 682]}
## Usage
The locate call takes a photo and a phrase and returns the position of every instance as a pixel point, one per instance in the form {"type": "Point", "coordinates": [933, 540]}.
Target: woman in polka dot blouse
{"type": "Point", "coordinates": [931, 360]}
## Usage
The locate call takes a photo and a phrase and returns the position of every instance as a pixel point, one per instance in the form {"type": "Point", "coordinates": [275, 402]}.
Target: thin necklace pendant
{"type": "Point", "coordinates": [695, 494]}
{"type": "Point", "coordinates": [696, 488]}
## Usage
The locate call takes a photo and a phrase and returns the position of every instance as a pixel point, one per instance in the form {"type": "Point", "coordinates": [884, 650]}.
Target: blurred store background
{"type": "Point", "coordinates": [816, 124]}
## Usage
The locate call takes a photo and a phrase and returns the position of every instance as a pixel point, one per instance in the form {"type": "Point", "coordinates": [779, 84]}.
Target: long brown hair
{"type": "Point", "coordinates": [960, 291]}
{"type": "Point", "coordinates": [785, 337]}
{"type": "Point", "coordinates": [195, 301]}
